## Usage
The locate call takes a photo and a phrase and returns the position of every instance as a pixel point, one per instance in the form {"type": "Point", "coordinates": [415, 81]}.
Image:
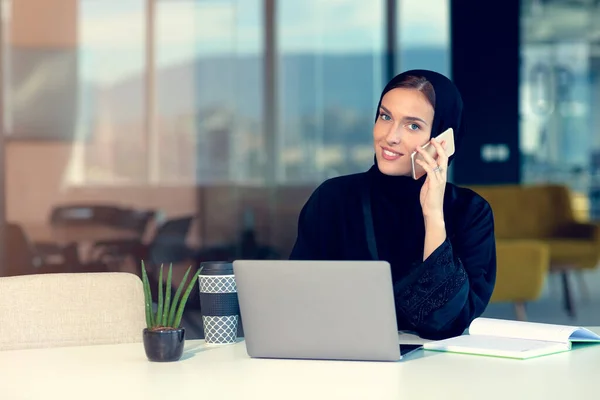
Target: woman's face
{"type": "Point", "coordinates": [404, 123]}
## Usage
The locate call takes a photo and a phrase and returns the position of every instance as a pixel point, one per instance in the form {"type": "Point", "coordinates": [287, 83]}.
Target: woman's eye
{"type": "Point", "coordinates": [384, 117]}
{"type": "Point", "coordinates": [414, 127]}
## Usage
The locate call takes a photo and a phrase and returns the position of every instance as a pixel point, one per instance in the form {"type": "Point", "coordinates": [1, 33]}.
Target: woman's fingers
{"type": "Point", "coordinates": [428, 168]}
{"type": "Point", "coordinates": [436, 167]}
{"type": "Point", "coordinates": [442, 157]}
{"type": "Point", "coordinates": [428, 159]}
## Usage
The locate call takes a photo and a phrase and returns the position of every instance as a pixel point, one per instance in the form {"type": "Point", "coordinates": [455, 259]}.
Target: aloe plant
{"type": "Point", "coordinates": [170, 309]}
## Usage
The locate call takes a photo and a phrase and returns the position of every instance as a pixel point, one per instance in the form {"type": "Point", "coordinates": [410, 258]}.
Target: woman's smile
{"type": "Point", "coordinates": [403, 123]}
{"type": "Point", "coordinates": [389, 154]}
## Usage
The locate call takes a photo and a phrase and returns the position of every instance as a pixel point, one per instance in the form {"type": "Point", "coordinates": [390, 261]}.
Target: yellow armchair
{"type": "Point", "coordinates": [522, 267]}
{"type": "Point", "coordinates": [545, 213]}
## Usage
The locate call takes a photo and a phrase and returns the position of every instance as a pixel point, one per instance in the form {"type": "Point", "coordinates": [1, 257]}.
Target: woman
{"type": "Point", "coordinates": [437, 237]}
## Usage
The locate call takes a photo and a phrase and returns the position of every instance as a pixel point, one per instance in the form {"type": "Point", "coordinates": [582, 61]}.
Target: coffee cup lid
{"type": "Point", "coordinates": [216, 268]}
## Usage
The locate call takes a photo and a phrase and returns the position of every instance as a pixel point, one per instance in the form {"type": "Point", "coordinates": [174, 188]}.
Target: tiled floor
{"type": "Point", "coordinates": [548, 309]}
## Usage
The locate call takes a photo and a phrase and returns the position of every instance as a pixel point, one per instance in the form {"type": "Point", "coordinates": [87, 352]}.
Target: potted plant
{"type": "Point", "coordinates": [163, 336]}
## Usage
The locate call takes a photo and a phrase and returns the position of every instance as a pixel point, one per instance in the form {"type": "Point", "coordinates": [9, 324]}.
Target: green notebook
{"type": "Point", "coordinates": [514, 339]}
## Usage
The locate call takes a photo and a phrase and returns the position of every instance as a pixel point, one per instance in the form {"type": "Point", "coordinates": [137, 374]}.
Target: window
{"type": "Point", "coordinates": [424, 35]}
{"type": "Point", "coordinates": [209, 91]}
{"type": "Point", "coordinates": [559, 138]}
{"type": "Point", "coordinates": [329, 82]}
{"type": "Point", "coordinates": [110, 130]}
{"type": "Point", "coordinates": [174, 91]}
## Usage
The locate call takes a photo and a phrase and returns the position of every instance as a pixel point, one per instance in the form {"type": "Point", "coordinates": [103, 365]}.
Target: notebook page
{"type": "Point", "coordinates": [584, 335]}
{"type": "Point", "coordinates": [521, 330]}
{"type": "Point", "coordinates": [497, 346]}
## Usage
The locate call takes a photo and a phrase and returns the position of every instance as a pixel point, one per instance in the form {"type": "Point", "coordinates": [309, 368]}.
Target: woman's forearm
{"type": "Point", "coordinates": [435, 235]}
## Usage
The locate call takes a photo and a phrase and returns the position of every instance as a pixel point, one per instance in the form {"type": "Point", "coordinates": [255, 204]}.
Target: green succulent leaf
{"type": "Point", "coordinates": [173, 309]}
{"type": "Point", "coordinates": [184, 299]}
{"type": "Point", "coordinates": [165, 313]}
{"type": "Point", "coordinates": [147, 297]}
{"type": "Point", "coordinates": [159, 311]}
{"type": "Point", "coordinates": [169, 309]}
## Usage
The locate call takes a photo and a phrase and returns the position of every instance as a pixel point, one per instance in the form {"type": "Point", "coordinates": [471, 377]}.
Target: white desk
{"type": "Point", "coordinates": [122, 372]}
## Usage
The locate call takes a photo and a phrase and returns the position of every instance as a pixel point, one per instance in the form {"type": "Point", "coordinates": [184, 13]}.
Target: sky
{"type": "Point", "coordinates": [112, 32]}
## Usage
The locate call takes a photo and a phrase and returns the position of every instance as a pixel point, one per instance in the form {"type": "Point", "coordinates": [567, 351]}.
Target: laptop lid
{"type": "Point", "coordinates": [335, 310]}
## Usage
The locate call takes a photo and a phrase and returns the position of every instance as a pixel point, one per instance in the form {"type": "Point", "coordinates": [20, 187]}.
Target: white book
{"type": "Point", "coordinates": [514, 339]}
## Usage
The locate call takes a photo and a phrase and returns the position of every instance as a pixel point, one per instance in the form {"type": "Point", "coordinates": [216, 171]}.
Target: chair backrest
{"type": "Point", "coordinates": [175, 227]}
{"type": "Point", "coordinates": [528, 211]}
{"type": "Point", "coordinates": [169, 243]}
{"type": "Point", "coordinates": [85, 214]}
{"type": "Point", "coordinates": [19, 252]}
{"type": "Point", "coordinates": [57, 310]}
{"type": "Point", "coordinates": [136, 220]}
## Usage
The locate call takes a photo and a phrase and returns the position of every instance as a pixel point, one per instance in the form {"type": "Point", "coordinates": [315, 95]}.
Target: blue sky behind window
{"type": "Point", "coordinates": [112, 32]}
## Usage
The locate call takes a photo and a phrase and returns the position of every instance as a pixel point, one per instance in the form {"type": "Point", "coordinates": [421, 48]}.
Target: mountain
{"type": "Point", "coordinates": [307, 83]}
{"type": "Point", "coordinates": [315, 91]}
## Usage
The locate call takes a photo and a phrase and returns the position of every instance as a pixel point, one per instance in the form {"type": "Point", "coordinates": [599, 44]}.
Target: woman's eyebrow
{"type": "Point", "coordinates": [414, 119]}
{"type": "Point", "coordinates": [407, 118]}
{"type": "Point", "coordinates": [385, 109]}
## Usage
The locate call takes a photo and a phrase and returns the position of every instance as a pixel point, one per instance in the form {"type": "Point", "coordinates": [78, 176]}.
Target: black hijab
{"type": "Point", "coordinates": [396, 208]}
{"type": "Point", "coordinates": [448, 107]}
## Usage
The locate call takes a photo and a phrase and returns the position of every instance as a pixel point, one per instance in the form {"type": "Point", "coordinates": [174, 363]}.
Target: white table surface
{"type": "Point", "coordinates": [122, 372]}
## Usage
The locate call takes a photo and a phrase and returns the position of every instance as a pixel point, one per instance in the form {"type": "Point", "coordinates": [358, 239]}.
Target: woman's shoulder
{"type": "Point", "coordinates": [334, 195]}
{"type": "Point", "coordinates": [341, 185]}
{"type": "Point", "coordinates": [469, 216]}
{"type": "Point", "coordinates": [463, 199]}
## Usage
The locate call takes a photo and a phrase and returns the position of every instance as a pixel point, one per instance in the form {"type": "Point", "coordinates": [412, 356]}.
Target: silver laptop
{"type": "Point", "coordinates": [332, 310]}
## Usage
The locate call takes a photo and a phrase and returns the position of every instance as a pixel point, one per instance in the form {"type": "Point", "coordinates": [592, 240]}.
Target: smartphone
{"type": "Point", "coordinates": [448, 136]}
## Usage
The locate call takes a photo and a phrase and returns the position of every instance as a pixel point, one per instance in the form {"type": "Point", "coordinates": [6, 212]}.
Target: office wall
{"type": "Point", "coordinates": [51, 24]}
{"type": "Point", "coordinates": [34, 169]}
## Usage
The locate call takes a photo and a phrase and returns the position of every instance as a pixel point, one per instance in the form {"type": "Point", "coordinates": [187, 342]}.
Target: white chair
{"type": "Point", "coordinates": [70, 309]}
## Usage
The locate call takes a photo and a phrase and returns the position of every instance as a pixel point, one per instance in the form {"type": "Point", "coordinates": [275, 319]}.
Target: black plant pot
{"type": "Point", "coordinates": [164, 345]}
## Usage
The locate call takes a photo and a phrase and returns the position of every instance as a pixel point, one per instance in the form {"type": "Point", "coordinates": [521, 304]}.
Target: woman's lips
{"type": "Point", "coordinates": [389, 154]}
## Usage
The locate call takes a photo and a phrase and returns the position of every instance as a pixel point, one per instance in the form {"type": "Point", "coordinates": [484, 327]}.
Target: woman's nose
{"type": "Point", "coordinates": [393, 136]}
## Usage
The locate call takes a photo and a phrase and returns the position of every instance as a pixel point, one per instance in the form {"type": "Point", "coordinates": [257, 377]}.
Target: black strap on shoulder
{"type": "Point", "coordinates": [368, 220]}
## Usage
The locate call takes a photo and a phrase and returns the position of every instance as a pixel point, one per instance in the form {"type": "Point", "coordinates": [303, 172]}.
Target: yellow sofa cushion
{"type": "Point", "coordinates": [522, 266]}
{"type": "Point", "coordinates": [528, 212]}
{"type": "Point", "coordinates": [544, 212]}
{"type": "Point", "coordinates": [573, 252]}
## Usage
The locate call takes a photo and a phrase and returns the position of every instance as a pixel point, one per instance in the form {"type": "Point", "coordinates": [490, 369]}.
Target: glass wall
{"type": "Point", "coordinates": [208, 92]}
{"type": "Point", "coordinates": [330, 74]}
{"type": "Point", "coordinates": [181, 107]}
{"type": "Point", "coordinates": [110, 134]}
{"type": "Point", "coordinates": [560, 89]}
{"type": "Point", "coordinates": [423, 35]}
{"type": "Point", "coordinates": [223, 113]}
{"type": "Point", "coordinates": [190, 107]}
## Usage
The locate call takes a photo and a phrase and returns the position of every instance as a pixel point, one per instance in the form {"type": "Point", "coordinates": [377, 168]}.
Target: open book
{"type": "Point", "coordinates": [514, 339]}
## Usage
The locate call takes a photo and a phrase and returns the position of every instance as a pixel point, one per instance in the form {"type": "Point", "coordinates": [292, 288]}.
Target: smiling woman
{"type": "Point", "coordinates": [437, 237]}
{"type": "Point", "coordinates": [406, 112]}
